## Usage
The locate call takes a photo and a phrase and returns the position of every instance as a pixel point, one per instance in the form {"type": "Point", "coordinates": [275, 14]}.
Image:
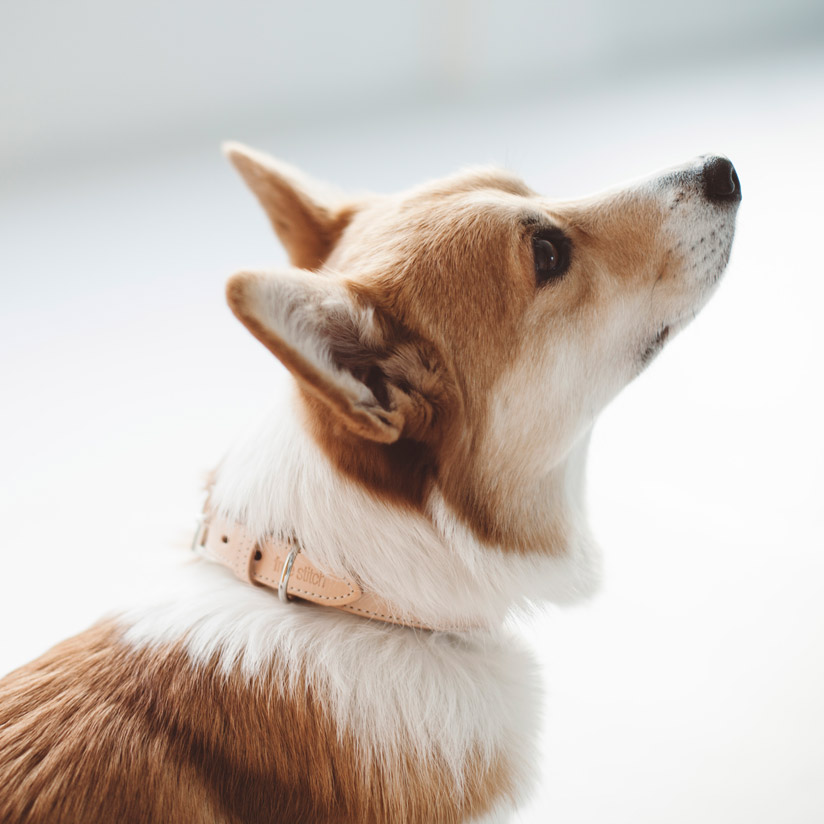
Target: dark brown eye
{"type": "Point", "coordinates": [546, 257]}
{"type": "Point", "coordinates": [551, 252]}
{"type": "Point", "coordinates": [549, 259]}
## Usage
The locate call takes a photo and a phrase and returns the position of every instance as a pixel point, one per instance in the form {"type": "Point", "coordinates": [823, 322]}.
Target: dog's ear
{"type": "Point", "coordinates": [343, 350]}
{"type": "Point", "coordinates": [308, 217]}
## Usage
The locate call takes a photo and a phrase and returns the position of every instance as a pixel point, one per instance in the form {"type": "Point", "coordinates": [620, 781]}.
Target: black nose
{"type": "Point", "coordinates": [720, 180]}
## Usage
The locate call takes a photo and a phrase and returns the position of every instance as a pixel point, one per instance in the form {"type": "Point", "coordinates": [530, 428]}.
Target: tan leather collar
{"type": "Point", "coordinates": [279, 565]}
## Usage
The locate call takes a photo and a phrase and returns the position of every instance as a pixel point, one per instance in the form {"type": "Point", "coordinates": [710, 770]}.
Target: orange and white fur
{"type": "Point", "coordinates": [450, 348]}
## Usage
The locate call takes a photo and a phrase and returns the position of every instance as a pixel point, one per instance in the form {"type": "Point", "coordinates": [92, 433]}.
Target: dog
{"type": "Point", "coordinates": [335, 651]}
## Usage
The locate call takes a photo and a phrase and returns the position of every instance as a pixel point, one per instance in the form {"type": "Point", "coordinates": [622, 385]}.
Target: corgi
{"type": "Point", "coordinates": [336, 648]}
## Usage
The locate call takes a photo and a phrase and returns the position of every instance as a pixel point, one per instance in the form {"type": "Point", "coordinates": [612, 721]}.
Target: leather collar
{"type": "Point", "coordinates": [279, 565]}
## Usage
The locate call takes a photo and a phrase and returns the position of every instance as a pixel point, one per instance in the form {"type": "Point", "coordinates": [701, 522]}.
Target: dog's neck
{"type": "Point", "coordinates": [276, 480]}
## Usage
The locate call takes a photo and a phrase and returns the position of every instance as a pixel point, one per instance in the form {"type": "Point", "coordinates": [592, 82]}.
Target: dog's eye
{"type": "Point", "coordinates": [550, 258]}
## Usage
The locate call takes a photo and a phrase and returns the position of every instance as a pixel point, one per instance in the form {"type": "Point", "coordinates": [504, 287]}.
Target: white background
{"type": "Point", "coordinates": [690, 689]}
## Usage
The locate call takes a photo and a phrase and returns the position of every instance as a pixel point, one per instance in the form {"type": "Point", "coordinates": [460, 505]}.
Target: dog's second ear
{"type": "Point", "coordinates": [307, 216]}
{"type": "Point", "coordinates": [328, 334]}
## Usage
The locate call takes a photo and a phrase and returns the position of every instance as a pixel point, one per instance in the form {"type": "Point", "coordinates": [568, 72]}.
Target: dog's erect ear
{"type": "Point", "coordinates": [307, 217]}
{"type": "Point", "coordinates": [329, 336]}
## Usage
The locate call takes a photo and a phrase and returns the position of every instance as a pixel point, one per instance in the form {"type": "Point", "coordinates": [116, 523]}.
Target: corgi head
{"type": "Point", "coordinates": [461, 337]}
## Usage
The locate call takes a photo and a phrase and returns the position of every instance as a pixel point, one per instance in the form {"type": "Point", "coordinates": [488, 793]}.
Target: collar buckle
{"type": "Point", "coordinates": [286, 573]}
{"type": "Point", "coordinates": [199, 538]}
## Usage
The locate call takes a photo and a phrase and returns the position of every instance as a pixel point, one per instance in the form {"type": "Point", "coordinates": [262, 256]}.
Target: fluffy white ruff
{"type": "Point", "coordinates": [395, 689]}
{"type": "Point", "coordinates": [277, 480]}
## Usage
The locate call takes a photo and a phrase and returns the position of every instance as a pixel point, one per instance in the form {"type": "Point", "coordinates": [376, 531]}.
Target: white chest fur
{"type": "Point", "coordinates": [392, 689]}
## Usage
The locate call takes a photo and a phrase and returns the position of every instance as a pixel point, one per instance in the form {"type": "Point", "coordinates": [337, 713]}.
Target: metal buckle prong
{"type": "Point", "coordinates": [199, 538]}
{"type": "Point", "coordinates": [286, 573]}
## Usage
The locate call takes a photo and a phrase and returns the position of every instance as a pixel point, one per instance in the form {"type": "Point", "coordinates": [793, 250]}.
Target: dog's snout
{"type": "Point", "coordinates": [720, 180]}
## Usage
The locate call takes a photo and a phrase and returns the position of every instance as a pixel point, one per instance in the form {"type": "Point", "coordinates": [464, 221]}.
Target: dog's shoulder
{"type": "Point", "coordinates": [124, 723]}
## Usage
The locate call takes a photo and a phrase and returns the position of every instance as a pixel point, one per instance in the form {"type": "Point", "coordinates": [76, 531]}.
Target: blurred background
{"type": "Point", "coordinates": [690, 689]}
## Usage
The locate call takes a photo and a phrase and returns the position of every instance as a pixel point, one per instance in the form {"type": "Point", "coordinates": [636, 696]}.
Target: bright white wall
{"type": "Point", "coordinates": [81, 78]}
{"type": "Point", "coordinates": [689, 689]}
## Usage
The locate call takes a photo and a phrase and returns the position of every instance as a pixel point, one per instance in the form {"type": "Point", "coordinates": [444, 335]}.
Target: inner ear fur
{"type": "Point", "coordinates": [308, 217]}
{"type": "Point", "coordinates": [379, 381]}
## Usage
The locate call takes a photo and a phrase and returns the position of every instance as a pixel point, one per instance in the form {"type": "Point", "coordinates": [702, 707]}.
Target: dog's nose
{"type": "Point", "coordinates": [720, 180]}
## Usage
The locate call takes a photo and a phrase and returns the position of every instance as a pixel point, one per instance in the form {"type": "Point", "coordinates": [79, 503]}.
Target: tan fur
{"type": "Point", "coordinates": [448, 267]}
{"type": "Point", "coordinates": [424, 334]}
{"type": "Point", "coordinates": [308, 227]}
{"type": "Point", "coordinates": [94, 731]}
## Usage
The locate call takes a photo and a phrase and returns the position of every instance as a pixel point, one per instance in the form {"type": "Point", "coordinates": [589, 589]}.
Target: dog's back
{"type": "Point", "coordinates": [102, 730]}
